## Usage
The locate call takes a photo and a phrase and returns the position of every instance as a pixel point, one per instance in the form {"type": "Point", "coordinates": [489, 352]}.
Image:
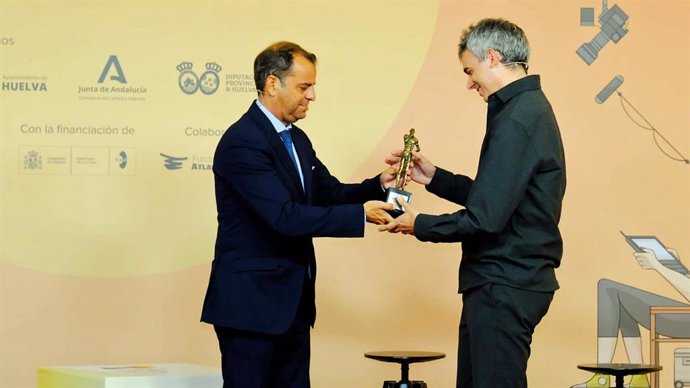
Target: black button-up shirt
{"type": "Point", "coordinates": [509, 226]}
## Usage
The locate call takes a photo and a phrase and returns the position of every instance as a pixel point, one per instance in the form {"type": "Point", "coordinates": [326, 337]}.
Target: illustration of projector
{"type": "Point", "coordinates": [612, 22]}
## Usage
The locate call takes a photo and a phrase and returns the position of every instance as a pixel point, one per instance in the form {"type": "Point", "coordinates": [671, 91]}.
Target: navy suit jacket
{"type": "Point", "coordinates": [266, 222]}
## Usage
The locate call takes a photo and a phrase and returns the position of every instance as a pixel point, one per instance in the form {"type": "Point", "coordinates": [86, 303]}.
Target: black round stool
{"type": "Point", "coordinates": [620, 370]}
{"type": "Point", "coordinates": [404, 359]}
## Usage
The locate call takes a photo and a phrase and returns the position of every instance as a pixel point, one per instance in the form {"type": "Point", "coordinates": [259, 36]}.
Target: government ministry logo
{"type": "Point", "coordinates": [190, 83]}
{"type": "Point", "coordinates": [33, 161]}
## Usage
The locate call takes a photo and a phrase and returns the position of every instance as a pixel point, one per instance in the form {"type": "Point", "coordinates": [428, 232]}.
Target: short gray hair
{"type": "Point", "coordinates": [499, 34]}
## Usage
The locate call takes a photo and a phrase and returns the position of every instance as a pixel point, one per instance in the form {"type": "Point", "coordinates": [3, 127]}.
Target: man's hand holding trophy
{"type": "Point", "coordinates": [402, 177]}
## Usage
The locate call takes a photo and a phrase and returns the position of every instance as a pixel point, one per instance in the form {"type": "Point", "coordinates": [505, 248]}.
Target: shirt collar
{"type": "Point", "coordinates": [277, 124]}
{"type": "Point", "coordinates": [530, 82]}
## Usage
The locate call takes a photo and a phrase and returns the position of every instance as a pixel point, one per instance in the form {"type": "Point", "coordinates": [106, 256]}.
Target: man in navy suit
{"type": "Point", "coordinates": [273, 196]}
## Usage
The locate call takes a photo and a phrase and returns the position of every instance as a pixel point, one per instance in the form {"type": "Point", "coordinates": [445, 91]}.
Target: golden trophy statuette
{"type": "Point", "coordinates": [401, 178]}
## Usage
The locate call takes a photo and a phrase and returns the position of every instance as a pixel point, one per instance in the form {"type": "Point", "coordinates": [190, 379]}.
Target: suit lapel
{"type": "Point", "coordinates": [278, 147]}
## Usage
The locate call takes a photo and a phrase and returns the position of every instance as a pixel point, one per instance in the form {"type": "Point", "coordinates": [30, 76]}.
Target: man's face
{"type": "Point", "coordinates": [296, 90]}
{"type": "Point", "coordinates": [480, 74]}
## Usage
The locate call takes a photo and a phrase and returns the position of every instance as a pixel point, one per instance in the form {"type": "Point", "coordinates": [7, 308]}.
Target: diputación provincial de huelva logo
{"type": "Point", "coordinates": [189, 82]}
{"type": "Point", "coordinates": [112, 85]}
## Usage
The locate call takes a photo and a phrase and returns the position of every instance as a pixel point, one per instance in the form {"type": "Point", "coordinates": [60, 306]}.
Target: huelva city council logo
{"type": "Point", "coordinates": [189, 82]}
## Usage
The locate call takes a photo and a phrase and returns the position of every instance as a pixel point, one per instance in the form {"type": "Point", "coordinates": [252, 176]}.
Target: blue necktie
{"type": "Point", "coordinates": [287, 141]}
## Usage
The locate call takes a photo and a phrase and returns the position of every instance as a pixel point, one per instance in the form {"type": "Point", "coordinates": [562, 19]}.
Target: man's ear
{"type": "Point", "coordinates": [494, 56]}
{"type": "Point", "coordinates": [272, 83]}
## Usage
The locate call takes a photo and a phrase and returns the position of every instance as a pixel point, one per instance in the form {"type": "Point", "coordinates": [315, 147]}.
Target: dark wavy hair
{"type": "Point", "coordinates": [276, 60]}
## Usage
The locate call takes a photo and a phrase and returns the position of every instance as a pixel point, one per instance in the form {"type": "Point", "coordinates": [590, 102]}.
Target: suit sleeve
{"type": "Point", "coordinates": [248, 167]}
{"type": "Point", "coordinates": [328, 190]}
{"type": "Point", "coordinates": [505, 169]}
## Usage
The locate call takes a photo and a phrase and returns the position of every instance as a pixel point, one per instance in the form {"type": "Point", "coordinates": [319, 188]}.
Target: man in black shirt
{"type": "Point", "coordinates": [508, 228]}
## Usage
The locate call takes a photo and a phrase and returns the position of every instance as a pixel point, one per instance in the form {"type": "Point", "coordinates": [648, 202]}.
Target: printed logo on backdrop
{"type": "Point", "coordinates": [197, 163]}
{"type": "Point", "coordinates": [113, 63]}
{"type": "Point", "coordinates": [210, 80]}
{"type": "Point", "coordinates": [121, 160]}
{"type": "Point", "coordinates": [67, 160]}
{"type": "Point", "coordinates": [21, 83]}
{"type": "Point", "coordinates": [240, 83]}
{"type": "Point", "coordinates": [33, 161]}
{"type": "Point", "coordinates": [207, 83]}
{"type": "Point", "coordinates": [24, 83]}
{"type": "Point", "coordinates": [44, 160]}
{"type": "Point", "coordinates": [112, 85]}
{"type": "Point", "coordinates": [173, 162]}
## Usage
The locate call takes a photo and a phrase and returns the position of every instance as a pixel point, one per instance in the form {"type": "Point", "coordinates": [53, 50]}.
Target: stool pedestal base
{"type": "Point", "coordinates": [402, 384]}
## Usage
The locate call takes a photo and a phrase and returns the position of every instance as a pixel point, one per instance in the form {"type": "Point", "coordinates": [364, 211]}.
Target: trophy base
{"type": "Point", "coordinates": [391, 195]}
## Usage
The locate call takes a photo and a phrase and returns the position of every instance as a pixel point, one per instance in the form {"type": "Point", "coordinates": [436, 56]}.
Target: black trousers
{"type": "Point", "coordinates": [496, 330]}
{"type": "Point", "coordinates": [255, 360]}
{"type": "Point", "coordinates": [258, 360]}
